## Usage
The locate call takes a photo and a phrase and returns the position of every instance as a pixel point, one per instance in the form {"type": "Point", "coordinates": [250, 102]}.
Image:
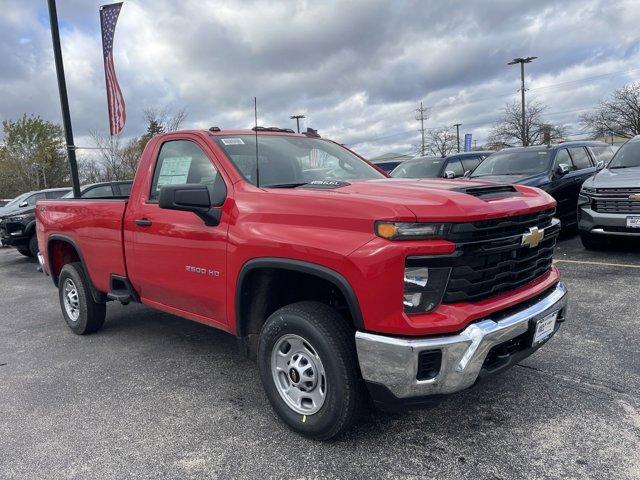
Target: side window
{"type": "Point", "coordinates": [580, 158]}
{"type": "Point", "coordinates": [55, 194]}
{"type": "Point", "coordinates": [470, 163]}
{"type": "Point", "coordinates": [456, 167]}
{"type": "Point", "coordinates": [125, 189]}
{"type": "Point", "coordinates": [180, 162]}
{"type": "Point", "coordinates": [99, 191]}
{"type": "Point", "coordinates": [562, 156]}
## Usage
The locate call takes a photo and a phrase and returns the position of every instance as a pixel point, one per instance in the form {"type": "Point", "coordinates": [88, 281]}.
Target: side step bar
{"type": "Point", "coordinates": [121, 290]}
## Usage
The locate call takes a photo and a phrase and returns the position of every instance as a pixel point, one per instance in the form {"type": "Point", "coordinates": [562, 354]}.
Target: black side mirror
{"type": "Point", "coordinates": [562, 169]}
{"type": "Point", "coordinates": [194, 197]}
{"type": "Point", "coordinates": [23, 204]}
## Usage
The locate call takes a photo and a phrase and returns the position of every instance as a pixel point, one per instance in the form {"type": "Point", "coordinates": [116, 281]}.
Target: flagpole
{"type": "Point", "coordinates": [64, 100]}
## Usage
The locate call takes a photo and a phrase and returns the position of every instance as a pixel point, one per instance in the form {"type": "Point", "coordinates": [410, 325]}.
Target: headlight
{"type": "Point", "coordinates": [17, 218]}
{"type": "Point", "coordinates": [423, 288]}
{"type": "Point", "coordinates": [588, 191]}
{"type": "Point", "coordinates": [411, 231]}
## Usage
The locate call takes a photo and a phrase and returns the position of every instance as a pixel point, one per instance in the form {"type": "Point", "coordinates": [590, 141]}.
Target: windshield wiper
{"type": "Point", "coordinates": [622, 166]}
{"type": "Point", "coordinates": [285, 185]}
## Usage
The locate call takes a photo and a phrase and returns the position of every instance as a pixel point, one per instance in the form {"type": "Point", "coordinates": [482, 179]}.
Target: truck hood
{"type": "Point", "coordinates": [616, 178]}
{"type": "Point", "coordinates": [445, 200]}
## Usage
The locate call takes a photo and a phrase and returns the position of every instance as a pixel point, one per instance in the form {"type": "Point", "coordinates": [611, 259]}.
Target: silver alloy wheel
{"type": "Point", "coordinates": [298, 374]}
{"type": "Point", "coordinates": [71, 300]}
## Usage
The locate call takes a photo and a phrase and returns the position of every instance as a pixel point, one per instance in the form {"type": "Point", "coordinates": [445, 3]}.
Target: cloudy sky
{"type": "Point", "coordinates": [356, 69]}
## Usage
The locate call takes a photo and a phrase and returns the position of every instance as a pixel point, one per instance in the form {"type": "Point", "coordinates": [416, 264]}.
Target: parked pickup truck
{"type": "Point", "coordinates": [343, 284]}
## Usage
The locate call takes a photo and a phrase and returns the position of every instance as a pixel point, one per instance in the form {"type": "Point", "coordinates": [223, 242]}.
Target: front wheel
{"type": "Point", "coordinates": [33, 246]}
{"type": "Point", "coordinates": [81, 312]}
{"type": "Point", "coordinates": [309, 369]}
{"type": "Point", "coordinates": [591, 242]}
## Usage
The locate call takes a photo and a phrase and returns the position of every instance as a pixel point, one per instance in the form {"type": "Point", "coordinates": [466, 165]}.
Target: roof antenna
{"type": "Point", "coordinates": [255, 114]}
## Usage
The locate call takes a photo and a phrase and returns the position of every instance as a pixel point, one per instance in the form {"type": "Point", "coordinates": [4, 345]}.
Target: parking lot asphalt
{"type": "Point", "coordinates": [155, 396]}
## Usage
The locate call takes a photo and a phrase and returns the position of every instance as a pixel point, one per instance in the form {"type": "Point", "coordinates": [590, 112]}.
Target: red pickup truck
{"type": "Point", "coordinates": [345, 285]}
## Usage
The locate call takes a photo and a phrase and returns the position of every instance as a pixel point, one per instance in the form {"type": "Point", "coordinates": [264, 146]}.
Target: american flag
{"type": "Point", "coordinates": [115, 100]}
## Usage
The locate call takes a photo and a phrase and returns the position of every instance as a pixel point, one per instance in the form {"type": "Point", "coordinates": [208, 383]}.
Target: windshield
{"type": "Point", "coordinates": [287, 161]}
{"type": "Point", "coordinates": [424, 168]}
{"type": "Point", "coordinates": [18, 200]}
{"type": "Point", "coordinates": [517, 162]}
{"type": "Point", "coordinates": [627, 156]}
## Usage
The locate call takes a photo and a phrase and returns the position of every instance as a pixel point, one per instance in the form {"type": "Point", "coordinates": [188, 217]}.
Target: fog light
{"type": "Point", "coordinates": [424, 288]}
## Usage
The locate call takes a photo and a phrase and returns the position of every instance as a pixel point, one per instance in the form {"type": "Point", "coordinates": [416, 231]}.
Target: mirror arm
{"type": "Point", "coordinates": [211, 217]}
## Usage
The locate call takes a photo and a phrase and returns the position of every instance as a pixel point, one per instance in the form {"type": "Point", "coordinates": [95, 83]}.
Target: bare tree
{"type": "Point", "coordinates": [508, 130]}
{"type": "Point", "coordinates": [440, 141]}
{"type": "Point", "coordinates": [168, 119]}
{"type": "Point", "coordinates": [617, 115]}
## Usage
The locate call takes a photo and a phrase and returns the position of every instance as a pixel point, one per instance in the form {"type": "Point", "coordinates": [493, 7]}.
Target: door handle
{"type": "Point", "coordinates": [143, 222]}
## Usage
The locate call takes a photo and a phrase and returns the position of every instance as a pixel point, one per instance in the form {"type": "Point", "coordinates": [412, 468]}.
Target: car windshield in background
{"type": "Point", "coordinates": [287, 161]}
{"type": "Point", "coordinates": [18, 200]}
{"type": "Point", "coordinates": [628, 156]}
{"type": "Point", "coordinates": [517, 162]}
{"type": "Point", "coordinates": [424, 168]}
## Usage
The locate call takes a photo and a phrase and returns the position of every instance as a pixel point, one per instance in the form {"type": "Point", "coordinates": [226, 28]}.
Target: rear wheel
{"type": "Point", "coordinates": [82, 314]}
{"type": "Point", "coordinates": [309, 369]}
{"type": "Point", "coordinates": [591, 242]}
{"type": "Point", "coordinates": [33, 245]}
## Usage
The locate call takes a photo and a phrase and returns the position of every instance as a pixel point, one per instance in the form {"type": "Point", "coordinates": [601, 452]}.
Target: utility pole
{"type": "Point", "coordinates": [522, 61]}
{"type": "Point", "coordinates": [422, 111]}
{"type": "Point", "coordinates": [297, 119]}
{"type": "Point", "coordinates": [457, 125]}
{"type": "Point", "coordinates": [64, 101]}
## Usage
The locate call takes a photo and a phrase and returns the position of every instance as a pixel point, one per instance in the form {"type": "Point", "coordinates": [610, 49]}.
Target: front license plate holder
{"type": "Point", "coordinates": [633, 222]}
{"type": "Point", "coordinates": [543, 328]}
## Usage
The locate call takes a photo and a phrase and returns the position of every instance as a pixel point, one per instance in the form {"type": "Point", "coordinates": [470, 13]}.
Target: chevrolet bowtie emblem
{"type": "Point", "coordinates": [635, 196]}
{"type": "Point", "coordinates": [533, 237]}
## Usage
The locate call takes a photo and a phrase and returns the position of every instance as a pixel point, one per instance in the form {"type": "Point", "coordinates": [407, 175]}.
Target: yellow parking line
{"type": "Point", "coordinates": [627, 265]}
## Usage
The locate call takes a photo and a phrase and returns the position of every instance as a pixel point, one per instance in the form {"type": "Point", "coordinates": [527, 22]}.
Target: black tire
{"type": "Point", "coordinates": [25, 251]}
{"type": "Point", "coordinates": [33, 245]}
{"type": "Point", "coordinates": [91, 315]}
{"type": "Point", "coordinates": [333, 339]}
{"type": "Point", "coordinates": [591, 242]}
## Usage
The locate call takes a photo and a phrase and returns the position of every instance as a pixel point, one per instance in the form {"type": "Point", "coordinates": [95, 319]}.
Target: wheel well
{"type": "Point", "coordinates": [60, 253]}
{"type": "Point", "coordinates": [263, 290]}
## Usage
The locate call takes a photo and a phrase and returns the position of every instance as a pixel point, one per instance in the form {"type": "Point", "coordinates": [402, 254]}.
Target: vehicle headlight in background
{"type": "Point", "coordinates": [16, 218]}
{"type": "Point", "coordinates": [588, 190]}
{"type": "Point", "coordinates": [411, 231]}
{"type": "Point", "coordinates": [424, 287]}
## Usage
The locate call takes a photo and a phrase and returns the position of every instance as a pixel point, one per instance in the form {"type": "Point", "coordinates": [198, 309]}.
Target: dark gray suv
{"type": "Point", "coordinates": [609, 202]}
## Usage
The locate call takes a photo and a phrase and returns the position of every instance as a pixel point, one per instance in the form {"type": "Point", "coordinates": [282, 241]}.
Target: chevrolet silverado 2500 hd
{"type": "Point", "coordinates": [343, 283]}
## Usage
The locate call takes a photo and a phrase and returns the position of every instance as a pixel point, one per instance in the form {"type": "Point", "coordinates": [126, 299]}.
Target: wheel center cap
{"type": "Point", "coordinates": [294, 375]}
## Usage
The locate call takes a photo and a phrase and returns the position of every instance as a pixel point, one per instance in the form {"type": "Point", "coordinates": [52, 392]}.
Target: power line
{"type": "Point", "coordinates": [421, 116]}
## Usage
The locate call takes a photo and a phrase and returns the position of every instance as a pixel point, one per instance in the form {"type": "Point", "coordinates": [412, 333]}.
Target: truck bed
{"type": "Point", "coordinates": [94, 226]}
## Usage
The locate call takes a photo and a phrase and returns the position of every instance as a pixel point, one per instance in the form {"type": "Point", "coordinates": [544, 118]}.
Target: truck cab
{"type": "Point", "coordinates": [344, 285]}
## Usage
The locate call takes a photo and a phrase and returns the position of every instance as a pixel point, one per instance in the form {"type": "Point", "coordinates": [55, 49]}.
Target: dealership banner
{"type": "Point", "coordinates": [467, 142]}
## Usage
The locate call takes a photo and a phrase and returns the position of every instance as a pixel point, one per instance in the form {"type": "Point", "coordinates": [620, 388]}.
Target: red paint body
{"type": "Point", "coordinates": [331, 228]}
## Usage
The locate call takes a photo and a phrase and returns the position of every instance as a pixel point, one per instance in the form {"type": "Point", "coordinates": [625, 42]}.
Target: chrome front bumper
{"type": "Point", "coordinates": [393, 362]}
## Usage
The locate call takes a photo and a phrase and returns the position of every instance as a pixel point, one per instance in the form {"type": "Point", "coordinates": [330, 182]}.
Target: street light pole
{"type": "Point", "coordinates": [457, 125]}
{"type": "Point", "coordinates": [297, 119]}
{"type": "Point", "coordinates": [522, 61]}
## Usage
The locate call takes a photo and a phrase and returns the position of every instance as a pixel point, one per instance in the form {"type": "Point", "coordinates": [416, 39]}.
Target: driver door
{"type": "Point", "coordinates": [179, 263]}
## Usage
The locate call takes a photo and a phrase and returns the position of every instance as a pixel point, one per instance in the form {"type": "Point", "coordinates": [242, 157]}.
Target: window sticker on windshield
{"type": "Point", "coordinates": [174, 170]}
{"type": "Point", "coordinates": [232, 141]}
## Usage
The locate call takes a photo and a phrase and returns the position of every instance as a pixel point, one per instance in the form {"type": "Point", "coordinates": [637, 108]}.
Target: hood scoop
{"type": "Point", "coordinates": [490, 192]}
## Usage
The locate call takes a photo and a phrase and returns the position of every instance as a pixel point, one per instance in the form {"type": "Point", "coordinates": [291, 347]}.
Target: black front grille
{"type": "Point", "coordinates": [494, 260]}
{"type": "Point", "coordinates": [499, 227]}
{"type": "Point", "coordinates": [616, 206]}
